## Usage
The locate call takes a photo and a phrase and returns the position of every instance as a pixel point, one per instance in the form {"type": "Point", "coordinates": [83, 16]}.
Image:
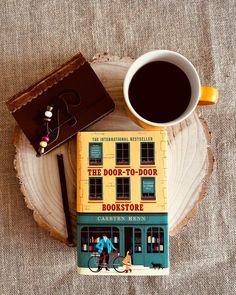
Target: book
{"type": "Point", "coordinates": [122, 213]}
{"type": "Point", "coordinates": [76, 105]}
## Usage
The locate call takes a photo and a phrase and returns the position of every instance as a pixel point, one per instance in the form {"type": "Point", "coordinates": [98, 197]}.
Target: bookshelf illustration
{"type": "Point", "coordinates": [155, 240]}
{"type": "Point", "coordinates": [90, 236]}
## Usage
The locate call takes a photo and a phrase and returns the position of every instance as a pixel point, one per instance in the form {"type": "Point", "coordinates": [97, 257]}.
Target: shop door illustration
{"type": "Point", "coordinates": [134, 242]}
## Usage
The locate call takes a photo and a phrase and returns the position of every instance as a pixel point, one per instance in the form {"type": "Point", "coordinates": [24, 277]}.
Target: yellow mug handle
{"type": "Point", "coordinates": [209, 96]}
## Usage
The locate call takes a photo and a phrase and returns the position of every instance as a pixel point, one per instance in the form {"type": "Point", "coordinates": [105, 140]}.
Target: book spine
{"type": "Point", "coordinates": [78, 193]}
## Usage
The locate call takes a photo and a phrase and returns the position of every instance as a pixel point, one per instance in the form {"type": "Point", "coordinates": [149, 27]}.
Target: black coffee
{"type": "Point", "coordinates": [160, 92]}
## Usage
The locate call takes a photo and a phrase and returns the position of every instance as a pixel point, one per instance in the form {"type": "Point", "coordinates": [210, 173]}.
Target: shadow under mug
{"type": "Point", "coordinates": [200, 95]}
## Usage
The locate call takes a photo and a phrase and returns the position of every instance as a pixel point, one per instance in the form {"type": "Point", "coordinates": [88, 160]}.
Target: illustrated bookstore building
{"type": "Point", "coordinates": [122, 193]}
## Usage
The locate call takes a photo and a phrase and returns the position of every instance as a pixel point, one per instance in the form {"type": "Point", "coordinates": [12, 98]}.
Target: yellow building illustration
{"type": "Point", "coordinates": [122, 191]}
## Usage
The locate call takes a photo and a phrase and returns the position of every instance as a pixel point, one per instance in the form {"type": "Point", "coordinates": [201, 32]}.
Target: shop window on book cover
{"type": "Point", "coordinates": [137, 240]}
{"type": "Point", "coordinates": [148, 188]}
{"type": "Point", "coordinates": [122, 153]}
{"type": "Point", "coordinates": [95, 153]}
{"type": "Point", "coordinates": [155, 240]}
{"type": "Point", "coordinates": [90, 236]}
{"type": "Point", "coordinates": [122, 188]}
{"type": "Point", "coordinates": [95, 188]}
{"type": "Point", "coordinates": [147, 153]}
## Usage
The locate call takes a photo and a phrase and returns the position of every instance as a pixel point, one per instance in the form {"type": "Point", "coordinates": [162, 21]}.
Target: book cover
{"type": "Point", "coordinates": [75, 104]}
{"type": "Point", "coordinates": [122, 213]}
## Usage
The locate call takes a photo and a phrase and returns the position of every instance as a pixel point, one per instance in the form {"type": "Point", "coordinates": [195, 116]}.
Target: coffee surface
{"type": "Point", "coordinates": [160, 92]}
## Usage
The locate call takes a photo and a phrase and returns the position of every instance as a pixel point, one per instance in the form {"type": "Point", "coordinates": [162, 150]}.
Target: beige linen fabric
{"type": "Point", "coordinates": [35, 38]}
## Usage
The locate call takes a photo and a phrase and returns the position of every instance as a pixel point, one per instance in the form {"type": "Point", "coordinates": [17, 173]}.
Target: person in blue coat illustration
{"type": "Point", "coordinates": [104, 247]}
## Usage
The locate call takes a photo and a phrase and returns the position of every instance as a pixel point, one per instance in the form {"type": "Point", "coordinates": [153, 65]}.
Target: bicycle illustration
{"type": "Point", "coordinates": [117, 264]}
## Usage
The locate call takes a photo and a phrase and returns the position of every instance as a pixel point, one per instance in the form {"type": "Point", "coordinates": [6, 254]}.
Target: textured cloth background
{"type": "Point", "coordinates": [35, 38]}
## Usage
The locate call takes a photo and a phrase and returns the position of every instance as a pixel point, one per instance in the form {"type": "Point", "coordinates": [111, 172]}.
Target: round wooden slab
{"type": "Point", "coordinates": [190, 161]}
